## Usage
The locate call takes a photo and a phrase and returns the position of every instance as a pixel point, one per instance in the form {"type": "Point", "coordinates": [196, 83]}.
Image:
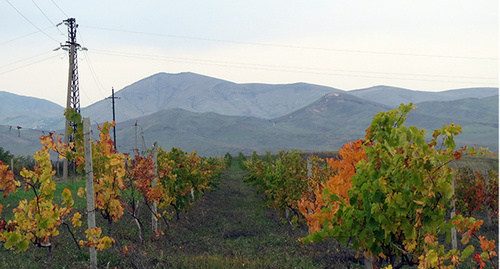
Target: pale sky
{"type": "Point", "coordinates": [420, 45]}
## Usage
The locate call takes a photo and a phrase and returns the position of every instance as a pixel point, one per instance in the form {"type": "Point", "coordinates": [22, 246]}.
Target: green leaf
{"type": "Point", "coordinates": [467, 252]}
{"type": "Point", "coordinates": [12, 239]}
{"type": "Point", "coordinates": [23, 245]}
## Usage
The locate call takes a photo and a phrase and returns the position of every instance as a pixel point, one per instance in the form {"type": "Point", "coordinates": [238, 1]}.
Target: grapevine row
{"type": "Point", "coordinates": [121, 184]}
{"type": "Point", "coordinates": [386, 196]}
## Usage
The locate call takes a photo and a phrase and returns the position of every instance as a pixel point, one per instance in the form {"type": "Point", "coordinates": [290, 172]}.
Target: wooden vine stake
{"type": "Point", "coordinates": [89, 175]}
{"type": "Point", "coordinates": [453, 212]}
{"type": "Point", "coordinates": [309, 176]}
{"type": "Point", "coordinates": [154, 219]}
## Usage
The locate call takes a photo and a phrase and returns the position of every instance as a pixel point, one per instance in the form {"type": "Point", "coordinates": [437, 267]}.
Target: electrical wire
{"type": "Point", "coordinates": [297, 47]}
{"type": "Point", "coordinates": [8, 71]}
{"type": "Point", "coordinates": [31, 21]}
{"type": "Point", "coordinates": [59, 8]}
{"type": "Point", "coordinates": [291, 69]}
{"type": "Point", "coordinates": [92, 70]}
{"type": "Point", "coordinates": [45, 15]}
{"type": "Point", "coordinates": [21, 37]}
{"type": "Point", "coordinates": [25, 59]}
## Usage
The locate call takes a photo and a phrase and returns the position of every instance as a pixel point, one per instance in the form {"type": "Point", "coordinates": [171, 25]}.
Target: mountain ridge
{"type": "Point", "coordinates": [393, 96]}
{"type": "Point", "coordinates": [200, 93]}
{"type": "Point", "coordinates": [301, 120]}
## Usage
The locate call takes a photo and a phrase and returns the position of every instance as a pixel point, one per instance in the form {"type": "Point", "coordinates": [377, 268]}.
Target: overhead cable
{"type": "Point", "coordinates": [39, 29]}
{"type": "Point", "coordinates": [298, 47]}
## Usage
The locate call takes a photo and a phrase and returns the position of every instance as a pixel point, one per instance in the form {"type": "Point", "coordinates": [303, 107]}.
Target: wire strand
{"type": "Point", "coordinates": [21, 37]}
{"type": "Point", "coordinates": [14, 69]}
{"type": "Point", "coordinates": [298, 47]}
{"type": "Point", "coordinates": [282, 68]}
{"type": "Point", "coordinates": [91, 68]}
{"type": "Point", "coordinates": [31, 21]}
{"type": "Point", "coordinates": [25, 59]}
{"type": "Point", "coordinates": [59, 8]}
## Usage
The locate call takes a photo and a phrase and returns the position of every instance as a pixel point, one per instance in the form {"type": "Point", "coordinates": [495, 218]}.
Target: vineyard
{"type": "Point", "coordinates": [388, 201]}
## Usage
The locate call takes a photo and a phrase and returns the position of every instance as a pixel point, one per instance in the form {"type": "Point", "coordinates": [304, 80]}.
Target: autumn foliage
{"type": "Point", "coordinates": [317, 207]}
{"type": "Point", "coordinates": [388, 196]}
{"type": "Point", "coordinates": [181, 178]}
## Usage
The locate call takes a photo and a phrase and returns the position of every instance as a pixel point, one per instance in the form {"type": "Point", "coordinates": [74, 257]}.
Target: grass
{"type": "Point", "coordinates": [12, 201]}
{"type": "Point", "coordinates": [229, 227]}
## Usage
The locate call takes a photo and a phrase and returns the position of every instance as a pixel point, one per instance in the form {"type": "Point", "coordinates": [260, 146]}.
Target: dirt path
{"type": "Point", "coordinates": [230, 228]}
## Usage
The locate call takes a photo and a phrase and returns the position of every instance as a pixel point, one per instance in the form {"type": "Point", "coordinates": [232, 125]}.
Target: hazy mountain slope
{"type": "Point", "coordinates": [199, 93]}
{"type": "Point", "coordinates": [20, 142]}
{"type": "Point", "coordinates": [342, 112]}
{"type": "Point", "coordinates": [28, 112]}
{"type": "Point", "coordinates": [324, 125]}
{"type": "Point", "coordinates": [208, 133]}
{"type": "Point", "coordinates": [483, 110]}
{"type": "Point", "coordinates": [478, 118]}
{"type": "Point", "coordinates": [318, 118]}
{"type": "Point", "coordinates": [393, 96]}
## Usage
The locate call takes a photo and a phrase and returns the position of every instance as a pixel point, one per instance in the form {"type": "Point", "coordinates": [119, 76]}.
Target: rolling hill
{"type": "Point", "coordinates": [210, 115]}
{"type": "Point", "coordinates": [199, 93]}
{"type": "Point", "coordinates": [29, 112]}
{"type": "Point", "coordinates": [393, 96]}
{"type": "Point", "coordinates": [326, 124]}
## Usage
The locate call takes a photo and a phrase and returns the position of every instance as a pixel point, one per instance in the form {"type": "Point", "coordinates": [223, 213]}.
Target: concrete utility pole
{"type": "Point", "coordinates": [113, 107]}
{"type": "Point", "coordinates": [73, 94]}
{"type": "Point", "coordinates": [89, 179]}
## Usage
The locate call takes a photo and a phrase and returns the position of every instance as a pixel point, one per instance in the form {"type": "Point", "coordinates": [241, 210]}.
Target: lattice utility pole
{"type": "Point", "coordinates": [73, 94]}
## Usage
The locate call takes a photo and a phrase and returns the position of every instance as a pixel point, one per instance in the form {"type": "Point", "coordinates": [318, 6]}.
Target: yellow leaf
{"type": "Point", "coordinates": [418, 202]}
{"type": "Point", "coordinates": [76, 220]}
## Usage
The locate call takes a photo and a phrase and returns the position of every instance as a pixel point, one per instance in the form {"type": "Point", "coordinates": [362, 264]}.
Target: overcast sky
{"type": "Point", "coordinates": [419, 45]}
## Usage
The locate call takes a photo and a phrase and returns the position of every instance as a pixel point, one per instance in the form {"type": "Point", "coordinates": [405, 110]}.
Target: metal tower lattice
{"type": "Point", "coordinates": [73, 98]}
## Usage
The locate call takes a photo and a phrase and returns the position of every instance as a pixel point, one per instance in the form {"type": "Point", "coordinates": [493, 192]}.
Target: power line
{"type": "Point", "coordinates": [25, 59]}
{"type": "Point", "coordinates": [45, 15]}
{"type": "Point", "coordinates": [26, 35]}
{"type": "Point", "coordinates": [8, 71]}
{"type": "Point", "coordinates": [30, 21]}
{"type": "Point", "coordinates": [297, 47]}
{"type": "Point", "coordinates": [59, 8]}
{"type": "Point", "coordinates": [291, 69]}
{"type": "Point", "coordinates": [92, 70]}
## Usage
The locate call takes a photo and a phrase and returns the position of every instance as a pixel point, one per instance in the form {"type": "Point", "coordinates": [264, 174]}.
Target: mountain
{"type": "Point", "coordinates": [393, 96]}
{"type": "Point", "coordinates": [199, 93]}
{"type": "Point", "coordinates": [477, 117]}
{"type": "Point", "coordinates": [29, 112]}
{"type": "Point", "coordinates": [340, 111]}
{"type": "Point", "coordinates": [326, 124]}
{"type": "Point", "coordinates": [210, 115]}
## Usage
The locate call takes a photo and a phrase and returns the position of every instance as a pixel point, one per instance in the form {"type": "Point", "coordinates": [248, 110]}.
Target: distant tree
{"type": "Point", "coordinates": [5, 156]}
{"type": "Point", "coordinates": [255, 157]}
{"type": "Point", "coordinates": [228, 159]}
{"type": "Point", "coordinates": [241, 160]}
